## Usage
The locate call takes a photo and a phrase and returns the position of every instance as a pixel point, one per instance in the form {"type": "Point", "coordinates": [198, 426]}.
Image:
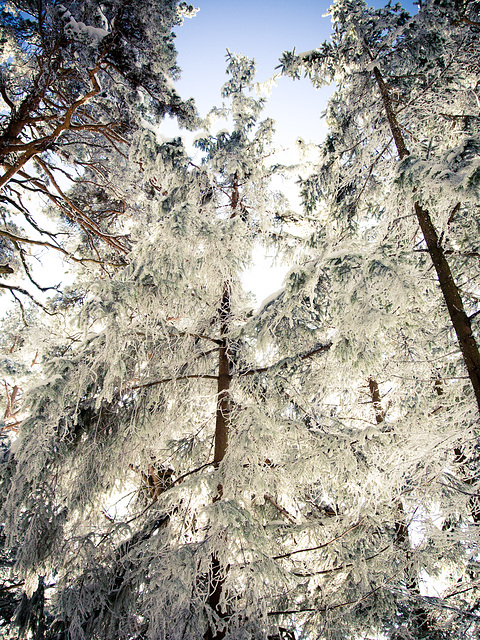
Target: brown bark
{"type": "Point", "coordinates": [222, 424]}
{"type": "Point", "coordinates": [376, 401]}
{"type": "Point", "coordinates": [451, 295]}
{"type": "Point", "coordinates": [37, 146]}
{"type": "Point", "coordinates": [391, 116]}
{"type": "Point", "coordinates": [460, 320]}
{"type": "Point", "coordinates": [222, 419]}
{"type": "Point", "coordinates": [47, 112]}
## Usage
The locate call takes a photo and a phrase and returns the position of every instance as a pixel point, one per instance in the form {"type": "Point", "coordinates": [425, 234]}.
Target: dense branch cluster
{"type": "Point", "coordinates": [75, 85]}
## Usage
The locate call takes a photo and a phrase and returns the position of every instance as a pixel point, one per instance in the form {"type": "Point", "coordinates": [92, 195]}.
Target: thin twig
{"type": "Point", "coordinates": [283, 511]}
{"type": "Point", "coordinates": [165, 380]}
{"type": "Point", "coordinates": [12, 289]}
{"type": "Point", "coordinates": [321, 546]}
{"type": "Point", "coordinates": [49, 245]}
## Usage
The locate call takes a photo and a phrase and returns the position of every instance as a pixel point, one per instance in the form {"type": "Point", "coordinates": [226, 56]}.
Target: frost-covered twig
{"type": "Point", "coordinates": [341, 567]}
{"type": "Point", "coordinates": [24, 292]}
{"type": "Point", "coordinates": [285, 362]}
{"type": "Point", "coordinates": [193, 376]}
{"type": "Point", "coordinates": [283, 511]}
{"type": "Point", "coordinates": [321, 546]}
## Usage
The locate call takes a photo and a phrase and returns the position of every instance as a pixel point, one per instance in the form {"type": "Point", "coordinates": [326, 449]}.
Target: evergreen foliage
{"type": "Point", "coordinates": [180, 467]}
{"type": "Point", "coordinates": [407, 97]}
{"type": "Point", "coordinates": [76, 84]}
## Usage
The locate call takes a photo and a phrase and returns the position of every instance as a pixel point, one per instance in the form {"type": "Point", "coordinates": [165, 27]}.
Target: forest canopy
{"type": "Point", "coordinates": [174, 464]}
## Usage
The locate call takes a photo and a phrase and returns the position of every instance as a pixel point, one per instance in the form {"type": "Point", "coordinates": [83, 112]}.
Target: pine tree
{"type": "Point", "coordinates": [402, 123]}
{"type": "Point", "coordinates": [75, 85]}
{"type": "Point", "coordinates": [164, 398]}
{"type": "Point", "coordinates": [188, 469]}
{"type": "Point", "coordinates": [396, 74]}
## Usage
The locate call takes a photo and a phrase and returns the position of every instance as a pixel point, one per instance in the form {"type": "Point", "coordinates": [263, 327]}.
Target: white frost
{"type": "Point", "coordinates": [305, 54]}
{"type": "Point", "coordinates": [79, 29]}
{"type": "Point", "coordinates": [268, 300]}
{"type": "Point", "coordinates": [372, 65]}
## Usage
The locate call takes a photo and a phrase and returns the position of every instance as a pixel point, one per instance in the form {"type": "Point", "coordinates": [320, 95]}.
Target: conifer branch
{"type": "Point", "coordinates": [194, 376]}
{"type": "Point", "coordinates": [321, 546]}
{"type": "Point", "coordinates": [334, 606]}
{"type": "Point", "coordinates": [280, 509]}
{"type": "Point", "coordinates": [12, 288]}
{"type": "Point", "coordinates": [49, 245]}
{"type": "Point", "coordinates": [342, 567]}
{"type": "Point", "coordinates": [285, 362]}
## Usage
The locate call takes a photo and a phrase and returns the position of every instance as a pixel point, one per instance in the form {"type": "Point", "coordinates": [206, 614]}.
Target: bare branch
{"type": "Point", "coordinates": [24, 292]}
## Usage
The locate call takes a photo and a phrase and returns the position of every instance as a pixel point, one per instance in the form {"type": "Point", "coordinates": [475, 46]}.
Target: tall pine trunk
{"type": "Point", "coordinates": [222, 424]}
{"type": "Point", "coordinates": [451, 294]}
{"type": "Point", "coordinates": [222, 419]}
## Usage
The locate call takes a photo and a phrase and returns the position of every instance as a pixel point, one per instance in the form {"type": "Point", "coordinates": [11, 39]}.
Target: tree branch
{"type": "Point", "coordinates": [165, 380]}
{"type": "Point", "coordinates": [284, 363]}
{"type": "Point", "coordinates": [340, 568]}
{"type": "Point", "coordinates": [12, 288]}
{"type": "Point", "coordinates": [49, 245]}
{"type": "Point", "coordinates": [283, 511]}
{"type": "Point", "coordinates": [321, 546]}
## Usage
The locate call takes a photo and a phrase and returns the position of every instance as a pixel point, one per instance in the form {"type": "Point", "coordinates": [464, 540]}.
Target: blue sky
{"type": "Point", "coordinates": [261, 30]}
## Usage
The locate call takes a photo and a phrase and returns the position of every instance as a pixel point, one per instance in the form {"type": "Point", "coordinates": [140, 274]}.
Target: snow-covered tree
{"type": "Point", "coordinates": [407, 92]}
{"type": "Point", "coordinates": [162, 409]}
{"type": "Point", "coordinates": [75, 85]}
{"type": "Point", "coordinates": [398, 187]}
{"type": "Point", "coordinates": [189, 469]}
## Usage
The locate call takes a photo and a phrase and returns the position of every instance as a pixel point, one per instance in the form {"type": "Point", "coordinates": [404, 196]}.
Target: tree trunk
{"type": "Point", "coordinates": [222, 423]}
{"type": "Point", "coordinates": [222, 420]}
{"type": "Point", "coordinates": [460, 320]}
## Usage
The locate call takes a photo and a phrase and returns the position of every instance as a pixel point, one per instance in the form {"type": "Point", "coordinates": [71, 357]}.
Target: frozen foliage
{"type": "Point", "coordinates": [77, 83]}
{"type": "Point", "coordinates": [187, 470]}
{"type": "Point", "coordinates": [136, 411]}
{"type": "Point", "coordinates": [79, 30]}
